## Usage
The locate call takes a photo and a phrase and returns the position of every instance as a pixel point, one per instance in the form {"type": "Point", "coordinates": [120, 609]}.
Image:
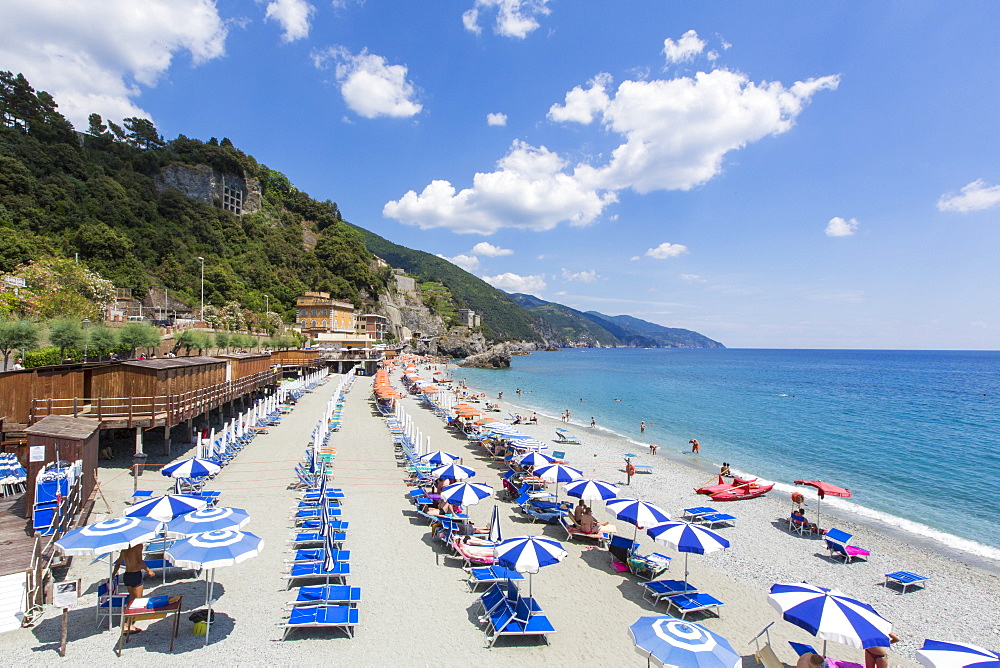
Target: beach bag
{"type": "Point", "coordinates": [200, 628]}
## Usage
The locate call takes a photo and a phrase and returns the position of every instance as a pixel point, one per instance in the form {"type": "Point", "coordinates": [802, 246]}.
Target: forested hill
{"type": "Point", "coordinates": [94, 194]}
{"type": "Point", "coordinates": [502, 318]}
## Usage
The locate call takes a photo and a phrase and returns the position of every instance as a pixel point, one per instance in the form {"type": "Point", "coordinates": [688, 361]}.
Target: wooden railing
{"type": "Point", "coordinates": [173, 408]}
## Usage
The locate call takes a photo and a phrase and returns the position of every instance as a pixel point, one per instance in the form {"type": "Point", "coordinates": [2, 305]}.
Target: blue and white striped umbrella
{"type": "Point", "coordinates": [453, 472]}
{"type": "Point", "coordinates": [527, 554]}
{"type": "Point", "coordinates": [639, 513]}
{"type": "Point", "coordinates": [208, 519]}
{"type": "Point", "coordinates": [668, 641]}
{"type": "Point", "coordinates": [466, 493]}
{"type": "Point", "coordinates": [167, 507]}
{"type": "Point", "coordinates": [502, 429]}
{"type": "Point", "coordinates": [830, 615]}
{"type": "Point", "coordinates": [495, 534]}
{"type": "Point", "coordinates": [108, 536]}
{"type": "Point", "coordinates": [535, 459]}
{"type": "Point", "coordinates": [940, 654]}
{"type": "Point", "coordinates": [191, 468]}
{"type": "Point", "coordinates": [528, 444]}
{"type": "Point", "coordinates": [439, 458]}
{"type": "Point", "coordinates": [687, 537]}
{"type": "Point", "coordinates": [558, 473]}
{"type": "Point", "coordinates": [212, 550]}
{"type": "Point", "coordinates": [591, 490]}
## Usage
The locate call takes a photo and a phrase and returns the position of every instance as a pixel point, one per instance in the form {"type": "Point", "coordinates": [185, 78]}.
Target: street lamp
{"type": "Point", "coordinates": [267, 308]}
{"type": "Point", "coordinates": [86, 342]}
{"type": "Point", "coordinates": [202, 287]}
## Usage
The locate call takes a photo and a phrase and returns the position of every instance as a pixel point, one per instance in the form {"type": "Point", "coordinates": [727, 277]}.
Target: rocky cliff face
{"type": "Point", "coordinates": [496, 357]}
{"type": "Point", "coordinates": [233, 191]}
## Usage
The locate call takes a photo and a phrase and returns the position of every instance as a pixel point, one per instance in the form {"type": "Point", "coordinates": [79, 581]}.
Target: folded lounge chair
{"type": "Point", "coordinates": [490, 575]}
{"type": "Point", "coordinates": [905, 579]}
{"type": "Point", "coordinates": [660, 589]}
{"type": "Point", "coordinates": [517, 620]}
{"type": "Point", "coordinates": [319, 617]}
{"type": "Point", "coordinates": [694, 602]}
{"type": "Point", "coordinates": [837, 542]}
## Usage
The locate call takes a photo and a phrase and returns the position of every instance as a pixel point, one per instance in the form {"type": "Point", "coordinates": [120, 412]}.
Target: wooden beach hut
{"type": "Point", "coordinates": [66, 438]}
{"type": "Point", "coordinates": [241, 365]}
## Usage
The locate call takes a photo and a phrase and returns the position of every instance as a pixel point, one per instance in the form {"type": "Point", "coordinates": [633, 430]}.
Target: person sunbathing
{"type": "Point", "coordinates": [810, 660]}
{"type": "Point", "coordinates": [589, 524]}
{"type": "Point", "coordinates": [799, 517]}
{"type": "Point", "coordinates": [578, 512]}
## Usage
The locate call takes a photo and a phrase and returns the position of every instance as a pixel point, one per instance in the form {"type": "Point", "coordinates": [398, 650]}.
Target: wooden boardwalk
{"type": "Point", "coordinates": [15, 543]}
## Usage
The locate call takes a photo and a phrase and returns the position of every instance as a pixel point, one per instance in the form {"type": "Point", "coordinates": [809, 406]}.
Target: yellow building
{"type": "Point", "coordinates": [316, 313]}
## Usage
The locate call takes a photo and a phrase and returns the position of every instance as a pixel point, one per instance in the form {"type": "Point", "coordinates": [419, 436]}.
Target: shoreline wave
{"type": "Point", "coordinates": [945, 543]}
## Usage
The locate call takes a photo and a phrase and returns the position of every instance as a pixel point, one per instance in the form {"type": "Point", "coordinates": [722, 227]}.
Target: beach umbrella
{"type": "Point", "coordinates": [667, 641]}
{"type": "Point", "coordinates": [591, 490]}
{"type": "Point", "coordinates": [940, 654]}
{"type": "Point", "coordinates": [439, 458]}
{"type": "Point", "coordinates": [687, 538]}
{"type": "Point", "coordinates": [528, 444]}
{"type": "Point", "coordinates": [453, 472]}
{"type": "Point", "coordinates": [167, 507]}
{"type": "Point", "coordinates": [213, 550]}
{"type": "Point", "coordinates": [824, 489]}
{"type": "Point", "coordinates": [640, 513]}
{"type": "Point", "coordinates": [466, 493]}
{"type": "Point", "coordinates": [208, 519]}
{"type": "Point", "coordinates": [534, 459]}
{"type": "Point", "coordinates": [191, 468]}
{"type": "Point", "coordinates": [528, 554]}
{"type": "Point", "coordinates": [504, 429]}
{"type": "Point", "coordinates": [118, 533]}
{"type": "Point", "coordinates": [830, 615]}
{"type": "Point", "coordinates": [558, 473]}
{"type": "Point", "coordinates": [481, 422]}
{"type": "Point", "coordinates": [495, 534]}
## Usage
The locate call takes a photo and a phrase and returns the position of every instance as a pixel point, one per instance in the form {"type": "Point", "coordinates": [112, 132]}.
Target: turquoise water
{"type": "Point", "coordinates": [913, 434]}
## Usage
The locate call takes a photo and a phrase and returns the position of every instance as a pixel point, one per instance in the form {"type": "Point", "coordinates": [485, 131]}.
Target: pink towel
{"type": "Point", "coordinates": [619, 567]}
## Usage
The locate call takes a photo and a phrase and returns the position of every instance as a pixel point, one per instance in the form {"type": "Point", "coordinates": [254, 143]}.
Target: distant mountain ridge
{"type": "Point", "coordinates": [578, 328]}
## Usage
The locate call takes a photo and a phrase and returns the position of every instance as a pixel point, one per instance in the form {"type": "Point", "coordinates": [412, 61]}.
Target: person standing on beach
{"type": "Point", "coordinates": [695, 445]}
{"type": "Point", "coordinates": [135, 568]}
{"type": "Point", "coordinates": [593, 422]}
{"type": "Point", "coordinates": [500, 395]}
{"type": "Point", "coordinates": [567, 415]}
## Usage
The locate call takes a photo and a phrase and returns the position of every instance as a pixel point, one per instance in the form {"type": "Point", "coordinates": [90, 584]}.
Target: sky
{"type": "Point", "coordinates": [771, 175]}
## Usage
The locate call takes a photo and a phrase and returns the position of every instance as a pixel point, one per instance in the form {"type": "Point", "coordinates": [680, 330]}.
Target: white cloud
{"type": "Point", "coordinates": [974, 197]}
{"type": "Point", "coordinates": [92, 60]}
{"type": "Point", "coordinates": [634, 258]}
{"type": "Point", "coordinates": [532, 285]}
{"type": "Point", "coordinates": [370, 86]}
{"type": "Point", "coordinates": [666, 250]}
{"type": "Point", "coordinates": [496, 119]}
{"type": "Point", "coordinates": [676, 135]}
{"type": "Point", "coordinates": [581, 276]}
{"type": "Point", "coordinates": [678, 131]}
{"type": "Point", "coordinates": [528, 191]}
{"type": "Point", "coordinates": [489, 250]}
{"type": "Point", "coordinates": [683, 50]}
{"type": "Point", "coordinates": [515, 18]}
{"type": "Point", "coordinates": [581, 105]}
{"type": "Point", "coordinates": [293, 15]}
{"type": "Point", "coordinates": [838, 227]}
{"type": "Point", "coordinates": [467, 262]}
{"type": "Point", "coordinates": [692, 278]}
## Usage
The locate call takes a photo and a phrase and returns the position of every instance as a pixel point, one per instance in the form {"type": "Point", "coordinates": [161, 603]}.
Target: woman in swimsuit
{"type": "Point", "coordinates": [878, 657]}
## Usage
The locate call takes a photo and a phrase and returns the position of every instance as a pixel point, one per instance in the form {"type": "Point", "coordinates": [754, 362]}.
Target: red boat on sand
{"type": "Point", "coordinates": [735, 490]}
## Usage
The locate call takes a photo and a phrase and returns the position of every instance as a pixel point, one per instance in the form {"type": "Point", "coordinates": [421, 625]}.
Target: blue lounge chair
{"type": "Point", "coordinates": [490, 575]}
{"type": "Point", "coordinates": [691, 514]}
{"type": "Point", "coordinates": [108, 599]}
{"type": "Point", "coordinates": [563, 436]}
{"type": "Point", "coordinates": [328, 595]}
{"type": "Point", "coordinates": [713, 519]}
{"type": "Point", "coordinates": [659, 589]}
{"type": "Point", "coordinates": [319, 617]}
{"type": "Point", "coordinates": [694, 602]}
{"type": "Point", "coordinates": [319, 554]}
{"type": "Point", "coordinates": [905, 579]}
{"type": "Point", "coordinates": [518, 620]}
{"type": "Point", "coordinates": [802, 648]}
{"type": "Point", "coordinates": [626, 551]}
{"type": "Point", "coordinates": [314, 570]}
{"type": "Point", "coordinates": [837, 542]}
{"type": "Point", "coordinates": [316, 525]}
{"type": "Point", "coordinates": [302, 539]}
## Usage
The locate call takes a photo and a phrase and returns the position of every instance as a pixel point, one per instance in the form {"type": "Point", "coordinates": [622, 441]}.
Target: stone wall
{"type": "Point", "coordinates": [202, 183]}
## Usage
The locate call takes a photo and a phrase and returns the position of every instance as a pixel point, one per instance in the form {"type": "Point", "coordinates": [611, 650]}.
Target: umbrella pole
{"type": "Point", "coordinates": [686, 555]}
{"type": "Point", "coordinates": [208, 620]}
{"type": "Point", "coordinates": [819, 507]}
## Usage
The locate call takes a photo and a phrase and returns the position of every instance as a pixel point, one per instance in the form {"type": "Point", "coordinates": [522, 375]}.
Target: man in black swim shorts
{"type": "Point", "coordinates": [132, 578]}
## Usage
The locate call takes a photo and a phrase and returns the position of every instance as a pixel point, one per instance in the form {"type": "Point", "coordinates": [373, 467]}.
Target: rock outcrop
{"type": "Point", "coordinates": [497, 357]}
{"type": "Point", "coordinates": [233, 192]}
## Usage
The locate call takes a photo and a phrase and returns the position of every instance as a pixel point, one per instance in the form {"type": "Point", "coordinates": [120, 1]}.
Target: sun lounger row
{"type": "Point", "coordinates": [505, 612]}
{"type": "Point", "coordinates": [681, 595]}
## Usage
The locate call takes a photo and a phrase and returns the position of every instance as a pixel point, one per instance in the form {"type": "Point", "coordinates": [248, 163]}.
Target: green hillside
{"type": "Point", "coordinates": [502, 317]}
{"type": "Point", "coordinates": [643, 334]}
{"type": "Point", "coordinates": [93, 196]}
{"type": "Point", "coordinates": [568, 325]}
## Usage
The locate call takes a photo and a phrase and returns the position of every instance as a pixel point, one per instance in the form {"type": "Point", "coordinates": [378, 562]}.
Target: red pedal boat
{"type": "Point", "coordinates": [735, 490]}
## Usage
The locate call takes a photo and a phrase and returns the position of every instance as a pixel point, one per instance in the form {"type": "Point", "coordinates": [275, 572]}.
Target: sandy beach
{"type": "Point", "coordinates": [416, 608]}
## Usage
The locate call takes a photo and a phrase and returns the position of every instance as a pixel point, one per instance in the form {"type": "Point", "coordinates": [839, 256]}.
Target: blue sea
{"type": "Point", "coordinates": [915, 435]}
